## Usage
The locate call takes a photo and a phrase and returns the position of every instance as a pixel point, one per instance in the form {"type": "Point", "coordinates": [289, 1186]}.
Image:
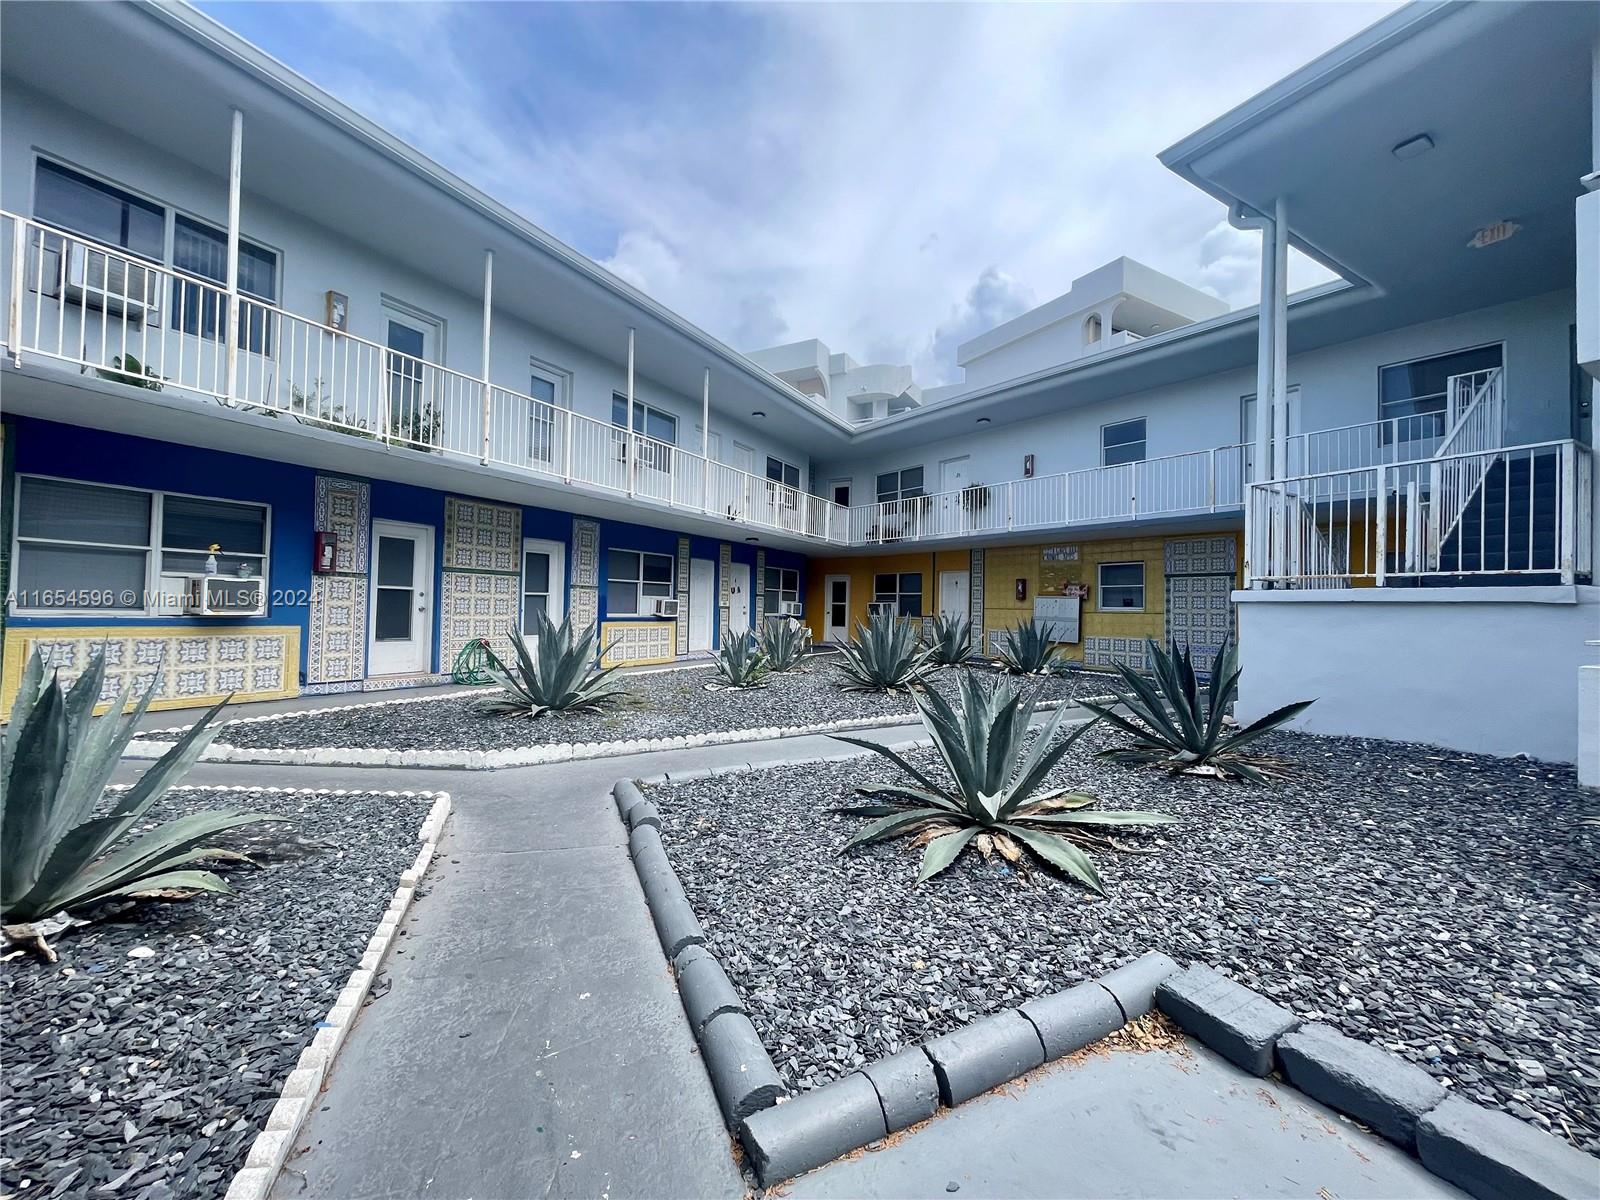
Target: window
{"type": "Point", "coordinates": [647, 421]}
{"type": "Point", "coordinates": [535, 588]}
{"type": "Point", "coordinates": [899, 485]}
{"type": "Point", "coordinates": [781, 472]}
{"type": "Point", "coordinates": [841, 494]}
{"type": "Point", "coordinates": [85, 547]}
{"type": "Point", "coordinates": [1415, 395]}
{"type": "Point", "coordinates": [99, 211]}
{"type": "Point", "coordinates": [904, 591]}
{"type": "Point", "coordinates": [201, 250]}
{"type": "Point", "coordinates": [1122, 443]}
{"type": "Point", "coordinates": [782, 587]}
{"type": "Point", "coordinates": [634, 579]}
{"type": "Point", "coordinates": [542, 419]}
{"type": "Point", "coordinates": [1122, 587]}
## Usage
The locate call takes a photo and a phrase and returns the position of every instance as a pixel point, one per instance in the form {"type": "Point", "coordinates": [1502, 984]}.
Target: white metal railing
{"type": "Point", "coordinates": [1199, 482]}
{"type": "Point", "coordinates": [1530, 512]}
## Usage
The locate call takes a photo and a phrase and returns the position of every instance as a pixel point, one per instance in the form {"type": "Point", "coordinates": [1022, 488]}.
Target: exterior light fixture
{"type": "Point", "coordinates": [759, 415]}
{"type": "Point", "coordinates": [1412, 147]}
{"type": "Point", "coordinates": [983, 420]}
{"type": "Point", "coordinates": [1500, 231]}
{"type": "Point", "coordinates": [751, 539]}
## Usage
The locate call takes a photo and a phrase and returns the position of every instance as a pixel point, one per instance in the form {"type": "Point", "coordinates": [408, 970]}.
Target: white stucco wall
{"type": "Point", "coordinates": [1338, 386]}
{"type": "Point", "coordinates": [314, 259]}
{"type": "Point", "coordinates": [1488, 670]}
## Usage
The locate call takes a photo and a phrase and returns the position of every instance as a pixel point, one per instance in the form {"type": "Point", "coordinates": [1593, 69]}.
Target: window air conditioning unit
{"type": "Point", "coordinates": [662, 606]}
{"type": "Point", "coordinates": [790, 608]}
{"type": "Point", "coordinates": [114, 285]}
{"type": "Point", "coordinates": [881, 608]}
{"type": "Point", "coordinates": [226, 596]}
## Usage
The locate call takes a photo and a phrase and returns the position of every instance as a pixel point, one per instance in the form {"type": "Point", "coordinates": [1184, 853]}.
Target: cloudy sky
{"type": "Point", "coordinates": [892, 178]}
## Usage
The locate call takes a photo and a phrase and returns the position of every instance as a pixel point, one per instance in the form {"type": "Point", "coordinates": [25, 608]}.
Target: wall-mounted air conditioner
{"type": "Point", "coordinates": [226, 596]}
{"type": "Point", "coordinates": [790, 608]}
{"type": "Point", "coordinates": [114, 285]}
{"type": "Point", "coordinates": [663, 606]}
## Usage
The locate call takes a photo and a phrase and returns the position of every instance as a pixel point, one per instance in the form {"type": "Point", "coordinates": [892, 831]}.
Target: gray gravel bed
{"type": "Point", "coordinates": [1444, 906]}
{"type": "Point", "coordinates": [148, 1077]}
{"type": "Point", "coordinates": [661, 704]}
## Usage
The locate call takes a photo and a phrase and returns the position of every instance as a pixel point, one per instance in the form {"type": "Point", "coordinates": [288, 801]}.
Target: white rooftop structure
{"type": "Point", "coordinates": [850, 390]}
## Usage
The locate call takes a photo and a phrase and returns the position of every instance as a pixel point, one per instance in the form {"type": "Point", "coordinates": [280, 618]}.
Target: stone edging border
{"type": "Point", "coordinates": [787, 1136]}
{"type": "Point", "coordinates": [1488, 1154]}
{"type": "Point", "coordinates": [524, 756]}
{"type": "Point", "coordinates": [273, 1143]}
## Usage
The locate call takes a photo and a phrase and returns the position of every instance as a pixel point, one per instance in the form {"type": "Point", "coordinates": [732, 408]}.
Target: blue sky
{"type": "Point", "coordinates": [892, 178]}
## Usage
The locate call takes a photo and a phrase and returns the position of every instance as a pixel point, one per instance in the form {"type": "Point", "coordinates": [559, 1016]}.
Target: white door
{"type": "Point", "coordinates": [544, 583]}
{"type": "Point", "coordinates": [401, 630]}
{"type": "Point", "coordinates": [414, 414]}
{"type": "Point", "coordinates": [836, 621]}
{"type": "Point", "coordinates": [744, 457]}
{"type": "Point", "coordinates": [738, 599]}
{"type": "Point", "coordinates": [702, 602]}
{"type": "Point", "coordinates": [955, 596]}
{"type": "Point", "coordinates": [952, 513]}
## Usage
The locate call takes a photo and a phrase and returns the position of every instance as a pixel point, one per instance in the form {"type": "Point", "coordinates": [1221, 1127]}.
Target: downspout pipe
{"type": "Point", "coordinates": [1241, 217]}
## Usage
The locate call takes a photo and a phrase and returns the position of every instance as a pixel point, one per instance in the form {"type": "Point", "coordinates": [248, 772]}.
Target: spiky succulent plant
{"type": "Point", "coordinates": [950, 640]}
{"type": "Point", "coordinates": [996, 798]}
{"type": "Point", "coordinates": [56, 854]}
{"type": "Point", "coordinates": [785, 643]}
{"type": "Point", "coordinates": [885, 655]}
{"type": "Point", "coordinates": [741, 662]}
{"type": "Point", "coordinates": [1027, 650]}
{"type": "Point", "coordinates": [1194, 737]}
{"type": "Point", "coordinates": [560, 674]}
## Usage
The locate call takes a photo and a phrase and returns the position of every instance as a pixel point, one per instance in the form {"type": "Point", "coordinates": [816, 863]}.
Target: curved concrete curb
{"type": "Point", "coordinates": [522, 756]}
{"type": "Point", "coordinates": [273, 1144]}
{"type": "Point", "coordinates": [1488, 1154]}
{"type": "Point", "coordinates": [786, 1136]}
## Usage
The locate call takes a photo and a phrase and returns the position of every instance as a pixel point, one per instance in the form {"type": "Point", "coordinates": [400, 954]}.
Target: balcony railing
{"type": "Point", "coordinates": [1204, 481]}
{"type": "Point", "coordinates": [1506, 512]}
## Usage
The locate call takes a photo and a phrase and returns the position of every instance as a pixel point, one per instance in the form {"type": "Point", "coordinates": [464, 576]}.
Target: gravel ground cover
{"type": "Point", "coordinates": [1444, 906]}
{"type": "Point", "coordinates": [148, 1076]}
{"type": "Point", "coordinates": [659, 704]}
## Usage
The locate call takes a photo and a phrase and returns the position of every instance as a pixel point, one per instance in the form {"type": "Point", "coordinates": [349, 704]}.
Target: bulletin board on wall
{"type": "Point", "coordinates": [1059, 568]}
{"type": "Point", "coordinates": [1059, 604]}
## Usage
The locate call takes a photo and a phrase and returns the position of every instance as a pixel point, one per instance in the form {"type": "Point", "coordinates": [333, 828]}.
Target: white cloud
{"type": "Point", "coordinates": [844, 171]}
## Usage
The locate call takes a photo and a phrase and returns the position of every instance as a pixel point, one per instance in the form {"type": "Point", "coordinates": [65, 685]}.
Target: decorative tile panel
{"type": "Point", "coordinates": [724, 586]}
{"type": "Point", "coordinates": [337, 649]}
{"type": "Point", "coordinates": [476, 605]}
{"type": "Point", "coordinates": [637, 642]}
{"type": "Point", "coordinates": [1216, 555]}
{"type": "Point", "coordinates": [682, 638]}
{"type": "Point", "coordinates": [975, 588]}
{"type": "Point", "coordinates": [344, 507]}
{"type": "Point", "coordinates": [188, 666]}
{"type": "Point", "coordinates": [480, 536]}
{"type": "Point", "coordinates": [1110, 651]}
{"type": "Point", "coordinates": [584, 603]}
{"type": "Point", "coordinates": [761, 585]}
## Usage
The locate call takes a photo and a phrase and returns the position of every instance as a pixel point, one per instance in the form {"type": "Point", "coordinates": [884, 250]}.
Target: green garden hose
{"type": "Point", "coordinates": [472, 664]}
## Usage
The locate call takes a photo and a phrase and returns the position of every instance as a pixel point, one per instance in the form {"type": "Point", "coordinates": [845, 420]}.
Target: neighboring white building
{"type": "Point", "coordinates": [851, 391]}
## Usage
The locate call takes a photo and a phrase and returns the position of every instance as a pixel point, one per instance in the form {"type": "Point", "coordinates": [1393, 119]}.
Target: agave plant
{"type": "Point", "coordinates": [559, 675]}
{"type": "Point", "coordinates": [1194, 737]}
{"type": "Point", "coordinates": [886, 655]}
{"type": "Point", "coordinates": [1026, 650]}
{"type": "Point", "coordinates": [996, 799]}
{"type": "Point", "coordinates": [785, 644]}
{"type": "Point", "coordinates": [742, 663]}
{"type": "Point", "coordinates": [56, 856]}
{"type": "Point", "coordinates": [950, 640]}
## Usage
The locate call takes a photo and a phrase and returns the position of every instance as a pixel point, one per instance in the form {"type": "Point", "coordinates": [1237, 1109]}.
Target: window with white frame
{"type": "Point", "coordinates": [1414, 397]}
{"type": "Point", "coordinates": [903, 590]}
{"type": "Point", "coordinates": [903, 484]}
{"type": "Point", "coordinates": [781, 472]}
{"type": "Point", "coordinates": [658, 425]}
{"type": "Point", "coordinates": [1122, 587]}
{"type": "Point", "coordinates": [546, 389]}
{"type": "Point", "coordinates": [199, 249]}
{"type": "Point", "coordinates": [99, 211]}
{"type": "Point", "coordinates": [1122, 443]}
{"type": "Point", "coordinates": [634, 579]}
{"type": "Point", "coordinates": [88, 547]}
{"type": "Point", "coordinates": [782, 587]}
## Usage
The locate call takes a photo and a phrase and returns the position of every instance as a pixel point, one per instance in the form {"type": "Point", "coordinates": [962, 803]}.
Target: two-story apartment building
{"type": "Point", "coordinates": [291, 408]}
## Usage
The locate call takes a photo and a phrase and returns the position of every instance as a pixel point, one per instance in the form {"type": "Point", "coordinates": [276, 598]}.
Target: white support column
{"type": "Point", "coordinates": [1280, 340]}
{"type": "Point", "coordinates": [705, 442]}
{"type": "Point", "coordinates": [632, 446]}
{"type": "Point", "coordinates": [235, 170]}
{"type": "Point", "coordinates": [488, 309]}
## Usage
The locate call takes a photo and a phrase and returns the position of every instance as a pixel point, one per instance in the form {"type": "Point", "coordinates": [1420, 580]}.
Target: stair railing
{"type": "Point", "coordinates": [1459, 467]}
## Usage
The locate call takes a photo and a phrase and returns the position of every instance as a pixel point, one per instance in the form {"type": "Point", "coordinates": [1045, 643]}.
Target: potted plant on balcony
{"type": "Point", "coordinates": [975, 497]}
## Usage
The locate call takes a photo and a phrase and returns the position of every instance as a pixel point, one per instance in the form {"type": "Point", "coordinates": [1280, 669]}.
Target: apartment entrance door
{"type": "Point", "coordinates": [401, 620]}
{"type": "Point", "coordinates": [739, 599]}
{"type": "Point", "coordinates": [836, 621]}
{"type": "Point", "coordinates": [955, 594]}
{"type": "Point", "coordinates": [702, 601]}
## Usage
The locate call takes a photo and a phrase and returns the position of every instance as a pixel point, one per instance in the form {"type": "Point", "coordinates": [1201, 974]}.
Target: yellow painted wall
{"type": "Point", "coordinates": [1004, 565]}
{"type": "Point", "coordinates": [861, 571]}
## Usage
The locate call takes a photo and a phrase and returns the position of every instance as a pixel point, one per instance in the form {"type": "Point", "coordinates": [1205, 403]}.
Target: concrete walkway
{"type": "Point", "coordinates": [533, 1044]}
